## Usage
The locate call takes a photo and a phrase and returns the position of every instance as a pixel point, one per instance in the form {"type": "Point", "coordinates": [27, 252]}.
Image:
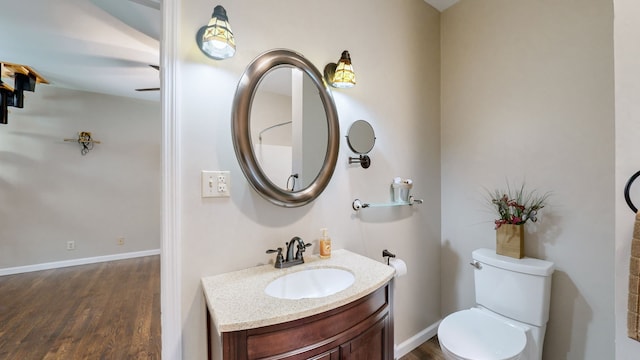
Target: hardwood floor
{"type": "Point", "coordinates": [107, 310]}
{"type": "Point", "coordinates": [430, 350]}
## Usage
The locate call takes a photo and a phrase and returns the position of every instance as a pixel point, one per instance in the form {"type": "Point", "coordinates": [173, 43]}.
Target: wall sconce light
{"type": "Point", "coordinates": [340, 75]}
{"type": "Point", "coordinates": [216, 39]}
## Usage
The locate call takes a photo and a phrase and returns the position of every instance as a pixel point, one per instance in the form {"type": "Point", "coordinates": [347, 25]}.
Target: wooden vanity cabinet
{"type": "Point", "coordinates": [362, 329]}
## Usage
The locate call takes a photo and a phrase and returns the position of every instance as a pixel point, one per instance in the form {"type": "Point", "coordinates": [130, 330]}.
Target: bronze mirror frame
{"type": "Point", "coordinates": [241, 135]}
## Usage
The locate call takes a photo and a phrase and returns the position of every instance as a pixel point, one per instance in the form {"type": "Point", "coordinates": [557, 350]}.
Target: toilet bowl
{"type": "Point", "coordinates": [475, 334]}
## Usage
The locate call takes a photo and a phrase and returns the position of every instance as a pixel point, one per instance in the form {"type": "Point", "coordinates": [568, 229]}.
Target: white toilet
{"type": "Point", "coordinates": [510, 317]}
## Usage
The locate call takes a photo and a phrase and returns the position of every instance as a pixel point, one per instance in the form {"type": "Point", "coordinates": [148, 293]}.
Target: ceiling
{"type": "Point", "coordinates": [441, 5]}
{"type": "Point", "coordinates": [103, 46]}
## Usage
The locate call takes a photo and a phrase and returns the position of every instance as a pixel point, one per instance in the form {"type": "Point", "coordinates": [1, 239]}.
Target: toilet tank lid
{"type": "Point", "coordinates": [525, 265]}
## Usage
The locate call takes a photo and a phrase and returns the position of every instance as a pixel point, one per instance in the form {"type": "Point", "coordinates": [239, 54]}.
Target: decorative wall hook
{"type": "Point", "coordinates": [85, 140]}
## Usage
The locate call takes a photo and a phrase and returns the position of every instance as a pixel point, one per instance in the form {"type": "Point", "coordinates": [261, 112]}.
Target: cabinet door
{"type": "Point", "coordinates": [362, 329]}
{"type": "Point", "coordinates": [370, 345]}
{"type": "Point", "coordinates": [330, 355]}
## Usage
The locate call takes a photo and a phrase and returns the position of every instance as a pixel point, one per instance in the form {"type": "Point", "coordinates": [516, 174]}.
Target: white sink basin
{"type": "Point", "coordinates": [311, 283]}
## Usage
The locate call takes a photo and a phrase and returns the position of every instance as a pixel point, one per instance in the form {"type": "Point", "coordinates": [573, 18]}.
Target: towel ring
{"type": "Point", "coordinates": [626, 191]}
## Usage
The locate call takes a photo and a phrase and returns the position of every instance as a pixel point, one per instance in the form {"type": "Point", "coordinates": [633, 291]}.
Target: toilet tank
{"type": "Point", "coordinates": [516, 288]}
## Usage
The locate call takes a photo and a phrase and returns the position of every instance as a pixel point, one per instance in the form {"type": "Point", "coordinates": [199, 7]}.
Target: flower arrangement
{"type": "Point", "coordinates": [517, 206]}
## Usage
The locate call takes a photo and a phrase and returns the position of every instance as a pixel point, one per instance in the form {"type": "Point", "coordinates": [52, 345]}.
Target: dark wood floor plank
{"type": "Point", "coordinates": [429, 350]}
{"type": "Point", "coordinates": [108, 310]}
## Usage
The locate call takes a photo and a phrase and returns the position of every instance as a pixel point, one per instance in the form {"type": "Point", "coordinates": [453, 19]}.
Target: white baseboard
{"type": "Point", "coordinates": [416, 340]}
{"type": "Point", "coordinates": [75, 262]}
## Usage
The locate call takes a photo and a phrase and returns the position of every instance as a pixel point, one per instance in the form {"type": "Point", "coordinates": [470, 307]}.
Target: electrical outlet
{"type": "Point", "coordinates": [71, 245]}
{"type": "Point", "coordinates": [216, 183]}
{"type": "Point", "coordinates": [121, 240]}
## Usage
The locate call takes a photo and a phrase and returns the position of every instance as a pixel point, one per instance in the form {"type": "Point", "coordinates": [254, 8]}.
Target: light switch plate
{"type": "Point", "coordinates": [216, 183]}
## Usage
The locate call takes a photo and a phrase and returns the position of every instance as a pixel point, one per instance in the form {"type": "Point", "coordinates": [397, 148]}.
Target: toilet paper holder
{"type": "Point", "coordinates": [387, 254]}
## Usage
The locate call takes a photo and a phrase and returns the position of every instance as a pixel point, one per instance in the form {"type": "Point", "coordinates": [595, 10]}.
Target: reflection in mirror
{"type": "Point", "coordinates": [288, 128]}
{"type": "Point", "coordinates": [286, 138]}
{"type": "Point", "coordinates": [361, 139]}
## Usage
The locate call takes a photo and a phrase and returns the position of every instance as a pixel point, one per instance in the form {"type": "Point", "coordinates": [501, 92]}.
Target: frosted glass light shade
{"type": "Point", "coordinates": [216, 39]}
{"type": "Point", "coordinates": [341, 75]}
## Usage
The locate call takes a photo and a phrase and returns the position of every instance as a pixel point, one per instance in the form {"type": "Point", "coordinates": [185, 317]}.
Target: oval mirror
{"type": "Point", "coordinates": [285, 128]}
{"type": "Point", "coordinates": [361, 137]}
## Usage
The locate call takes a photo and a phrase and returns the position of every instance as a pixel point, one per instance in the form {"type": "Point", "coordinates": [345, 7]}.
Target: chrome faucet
{"type": "Point", "coordinates": [291, 259]}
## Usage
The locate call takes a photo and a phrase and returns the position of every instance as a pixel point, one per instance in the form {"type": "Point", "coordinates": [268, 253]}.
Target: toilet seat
{"type": "Point", "coordinates": [475, 335]}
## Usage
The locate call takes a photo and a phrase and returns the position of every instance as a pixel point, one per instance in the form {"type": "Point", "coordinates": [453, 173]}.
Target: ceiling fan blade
{"type": "Point", "coordinates": [151, 89]}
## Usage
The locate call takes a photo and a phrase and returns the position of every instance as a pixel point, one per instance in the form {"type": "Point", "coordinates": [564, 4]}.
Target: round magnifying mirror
{"type": "Point", "coordinates": [361, 139]}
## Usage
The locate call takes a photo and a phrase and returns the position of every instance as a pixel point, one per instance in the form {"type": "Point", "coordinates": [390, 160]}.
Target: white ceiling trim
{"type": "Point", "coordinates": [441, 5]}
{"type": "Point", "coordinates": [154, 4]}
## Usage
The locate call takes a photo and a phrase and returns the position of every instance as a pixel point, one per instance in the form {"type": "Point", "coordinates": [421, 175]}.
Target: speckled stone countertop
{"type": "Point", "coordinates": [237, 300]}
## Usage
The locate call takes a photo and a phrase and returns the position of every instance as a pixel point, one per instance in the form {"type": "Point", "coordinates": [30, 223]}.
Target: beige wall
{"type": "Point", "coordinates": [395, 52]}
{"type": "Point", "coordinates": [627, 53]}
{"type": "Point", "coordinates": [51, 194]}
{"type": "Point", "coordinates": [527, 94]}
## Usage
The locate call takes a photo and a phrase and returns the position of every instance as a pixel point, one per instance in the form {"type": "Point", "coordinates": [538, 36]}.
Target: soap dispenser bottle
{"type": "Point", "coordinates": [325, 244]}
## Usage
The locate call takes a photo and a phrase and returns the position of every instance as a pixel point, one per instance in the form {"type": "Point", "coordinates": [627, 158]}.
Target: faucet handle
{"type": "Point", "coordinates": [279, 258]}
{"type": "Point", "coordinates": [301, 248]}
